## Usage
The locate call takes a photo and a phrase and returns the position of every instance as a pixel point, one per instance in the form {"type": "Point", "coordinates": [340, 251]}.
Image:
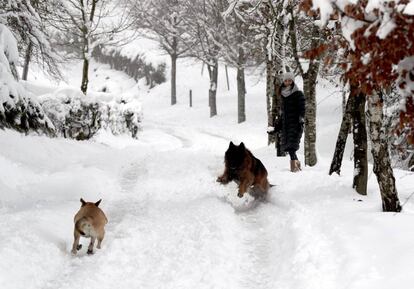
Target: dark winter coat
{"type": "Point", "coordinates": [292, 115]}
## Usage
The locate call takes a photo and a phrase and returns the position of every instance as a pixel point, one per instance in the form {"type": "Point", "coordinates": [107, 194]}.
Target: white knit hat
{"type": "Point", "coordinates": [288, 75]}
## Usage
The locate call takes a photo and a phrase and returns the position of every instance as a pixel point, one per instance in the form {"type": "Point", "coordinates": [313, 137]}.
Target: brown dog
{"type": "Point", "coordinates": [89, 223]}
{"type": "Point", "coordinates": [246, 170]}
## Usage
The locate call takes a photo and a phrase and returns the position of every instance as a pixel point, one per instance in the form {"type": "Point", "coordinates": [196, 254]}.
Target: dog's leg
{"type": "Point", "coordinates": [224, 178]}
{"type": "Point", "coordinates": [100, 238]}
{"type": "Point", "coordinates": [244, 185]}
{"type": "Point", "coordinates": [90, 247]}
{"type": "Point", "coordinates": [263, 185]}
{"type": "Point", "coordinates": [76, 242]}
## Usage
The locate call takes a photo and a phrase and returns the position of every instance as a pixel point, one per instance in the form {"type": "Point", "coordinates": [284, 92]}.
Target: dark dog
{"type": "Point", "coordinates": [246, 170]}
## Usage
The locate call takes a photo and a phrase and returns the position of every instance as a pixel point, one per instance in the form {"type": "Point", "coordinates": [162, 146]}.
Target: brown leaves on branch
{"type": "Point", "coordinates": [316, 52]}
{"type": "Point", "coordinates": [371, 65]}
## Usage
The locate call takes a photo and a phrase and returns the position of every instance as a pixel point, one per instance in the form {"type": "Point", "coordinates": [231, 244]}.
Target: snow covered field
{"type": "Point", "coordinates": [172, 226]}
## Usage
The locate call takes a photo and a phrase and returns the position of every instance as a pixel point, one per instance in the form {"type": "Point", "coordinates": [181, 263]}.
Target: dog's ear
{"type": "Point", "coordinates": [241, 146]}
{"type": "Point", "coordinates": [98, 202]}
{"type": "Point", "coordinates": [231, 144]}
{"type": "Point", "coordinates": [83, 202]}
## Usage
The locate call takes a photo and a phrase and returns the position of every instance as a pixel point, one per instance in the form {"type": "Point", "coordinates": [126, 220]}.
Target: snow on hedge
{"type": "Point", "coordinates": [80, 116]}
{"type": "Point", "coordinates": [17, 109]}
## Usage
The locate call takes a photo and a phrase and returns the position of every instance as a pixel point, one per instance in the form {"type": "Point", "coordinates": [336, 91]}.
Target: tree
{"type": "Point", "coordinates": [238, 49]}
{"type": "Point", "coordinates": [266, 23]}
{"type": "Point", "coordinates": [381, 37]}
{"type": "Point", "coordinates": [17, 110]}
{"type": "Point", "coordinates": [90, 23]}
{"type": "Point", "coordinates": [204, 23]}
{"type": "Point", "coordinates": [305, 35]}
{"type": "Point", "coordinates": [342, 137]}
{"type": "Point", "coordinates": [26, 19]}
{"type": "Point", "coordinates": [359, 132]}
{"type": "Point", "coordinates": [164, 20]}
{"type": "Point", "coordinates": [382, 163]}
{"type": "Point", "coordinates": [354, 116]}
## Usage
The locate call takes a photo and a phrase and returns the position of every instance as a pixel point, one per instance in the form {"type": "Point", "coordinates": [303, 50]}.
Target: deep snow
{"type": "Point", "coordinates": [172, 226]}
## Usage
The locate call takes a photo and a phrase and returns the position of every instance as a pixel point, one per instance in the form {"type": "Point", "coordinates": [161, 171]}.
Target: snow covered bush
{"type": "Point", "coordinates": [136, 67]}
{"type": "Point", "coordinates": [80, 116]}
{"type": "Point", "coordinates": [17, 110]}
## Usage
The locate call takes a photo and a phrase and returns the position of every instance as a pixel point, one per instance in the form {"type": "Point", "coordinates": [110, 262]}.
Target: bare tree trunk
{"type": "Point", "coordinates": [342, 136]}
{"type": "Point", "coordinates": [85, 71]}
{"type": "Point", "coordinates": [360, 145]}
{"type": "Point", "coordinates": [173, 79]}
{"type": "Point", "coordinates": [309, 87]}
{"type": "Point", "coordinates": [344, 101]}
{"type": "Point", "coordinates": [271, 110]}
{"type": "Point", "coordinates": [241, 84]}
{"type": "Point", "coordinates": [241, 96]}
{"type": "Point", "coordinates": [274, 65]}
{"type": "Point", "coordinates": [227, 77]}
{"type": "Point", "coordinates": [85, 55]}
{"type": "Point", "coordinates": [212, 92]}
{"type": "Point", "coordinates": [270, 74]}
{"type": "Point", "coordinates": [382, 163]}
{"type": "Point", "coordinates": [85, 48]}
{"type": "Point", "coordinates": [14, 71]}
{"type": "Point", "coordinates": [27, 59]}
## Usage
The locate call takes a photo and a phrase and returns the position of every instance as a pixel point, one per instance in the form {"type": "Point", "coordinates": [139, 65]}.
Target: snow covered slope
{"type": "Point", "coordinates": [172, 226]}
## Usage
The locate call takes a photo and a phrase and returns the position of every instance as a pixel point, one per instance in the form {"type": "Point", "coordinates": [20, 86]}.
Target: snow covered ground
{"type": "Point", "coordinates": [172, 226]}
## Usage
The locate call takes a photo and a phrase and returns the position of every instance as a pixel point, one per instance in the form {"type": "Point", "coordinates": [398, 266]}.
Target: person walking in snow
{"type": "Point", "coordinates": [292, 118]}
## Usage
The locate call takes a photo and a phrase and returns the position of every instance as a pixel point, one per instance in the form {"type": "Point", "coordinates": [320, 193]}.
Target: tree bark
{"type": "Point", "coordinates": [241, 84]}
{"type": "Point", "coordinates": [241, 96]}
{"type": "Point", "coordinates": [382, 163]}
{"type": "Point", "coordinates": [270, 101]}
{"type": "Point", "coordinates": [342, 136]}
{"type": "Point", "coordinates": [27, 59]}
{"type": "Point", "coordinates": [344, 101]}
{"type": "Point", "coordinates": [360, 145]}
{"type": "Point", "coordinates": [173, 79]}
{"type": "Point", "coordinates": [85, 55]}
{"type": "Point", "coordinates": [227, 77]}
{"type": "Point", "coordinates": [274, 67]}
{"type": "Point", "coordinates": [309, 86]}
{"type": "Point", "coordinates": [85, 72]}
{"type": "Point", "coordinates": [85, 48]}
{"type": "Point", "coordinates": [212, 92]}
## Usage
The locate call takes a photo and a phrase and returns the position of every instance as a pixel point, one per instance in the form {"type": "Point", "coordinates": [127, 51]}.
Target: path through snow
{"type": "Point", "coordinates": [172, 226]}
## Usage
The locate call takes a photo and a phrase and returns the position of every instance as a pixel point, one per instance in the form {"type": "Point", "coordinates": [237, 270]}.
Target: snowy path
{"type": "Point", "coordinates": [172, 226]}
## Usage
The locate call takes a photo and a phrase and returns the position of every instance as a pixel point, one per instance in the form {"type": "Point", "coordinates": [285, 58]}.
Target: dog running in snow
{"type": "Point", "coordinates": [246, 170]}
{"type": "Point", "coordinates": [90, 221]}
